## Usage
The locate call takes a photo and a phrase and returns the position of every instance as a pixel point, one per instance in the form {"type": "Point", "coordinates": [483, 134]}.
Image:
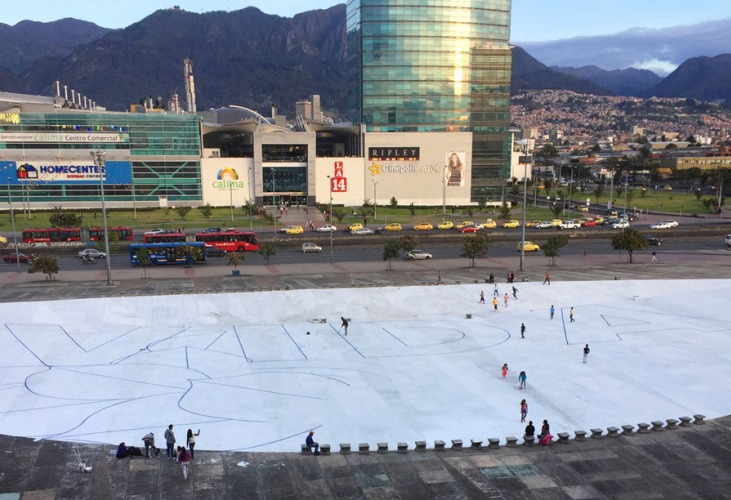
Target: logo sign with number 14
{"type": "Point", "coordinates": [338, 185]}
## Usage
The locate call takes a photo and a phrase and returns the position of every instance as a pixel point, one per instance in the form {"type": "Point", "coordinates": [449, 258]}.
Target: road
{"type": "Point", "coordinates": [363, 251]}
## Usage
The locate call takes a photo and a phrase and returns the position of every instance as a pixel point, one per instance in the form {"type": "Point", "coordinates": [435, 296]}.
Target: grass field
{"type": "Point", "coordinates": [674, 203]}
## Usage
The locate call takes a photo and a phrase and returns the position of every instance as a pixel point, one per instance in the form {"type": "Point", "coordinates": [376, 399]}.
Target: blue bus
{"type": "Point", "coordinates": [169, 253]}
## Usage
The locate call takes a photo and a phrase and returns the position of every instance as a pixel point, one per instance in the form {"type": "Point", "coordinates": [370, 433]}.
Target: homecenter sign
{"type": "Point", "coordinates": [115, 172]}
{"type": "Point", "coordinates": [67, 137]}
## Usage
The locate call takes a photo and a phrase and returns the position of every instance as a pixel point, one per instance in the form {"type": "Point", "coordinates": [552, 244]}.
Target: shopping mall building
{"type": "Point", "coordinates": [430, 104]}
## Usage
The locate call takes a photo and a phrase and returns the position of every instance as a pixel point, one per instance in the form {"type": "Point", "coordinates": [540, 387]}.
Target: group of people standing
{"type": "Point", "coordinates": [181, 454]}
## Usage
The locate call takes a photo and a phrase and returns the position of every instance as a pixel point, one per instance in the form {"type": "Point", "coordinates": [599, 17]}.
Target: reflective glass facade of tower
{"type": "Point", "coordinates": [435, 65]}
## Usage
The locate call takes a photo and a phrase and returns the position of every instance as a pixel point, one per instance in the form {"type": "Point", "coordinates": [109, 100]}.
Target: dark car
{"type": "Point", "coordinates": [653, 240]}
{"type": "Point", "coordinates": [11, 258]}
{"type": "Point", "coordinates": [212, 251]}
{"type": "Point", "coordinates": [212, 230]}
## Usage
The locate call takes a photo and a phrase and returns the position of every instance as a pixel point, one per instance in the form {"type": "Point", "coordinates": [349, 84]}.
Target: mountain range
{"type": "Point", "coordinates": [257, 60]}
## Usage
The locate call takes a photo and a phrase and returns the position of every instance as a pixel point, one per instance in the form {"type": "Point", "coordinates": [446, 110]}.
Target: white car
{"type": "Point", "coordinates": [418, 255]}
{"type": "Point", "coordinates": [546, 224]}
{"type": "Point", "coordinates": [311, 247]}
{"type": "Point", "coordinates": [664, 224]}
{"type": "Point", "coordinates": [93, 253]}
{"type": "Point", "coordinates": [620, 225]}
{"type": "Point", "coordinates": [363, 230]}
{"type": "Point", "coordinates": [327, 228]}
{"type": "Point", "coordinates": [570, 224]}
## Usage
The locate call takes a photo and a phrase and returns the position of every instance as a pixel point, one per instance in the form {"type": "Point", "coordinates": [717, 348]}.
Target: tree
{"type": "Point", "coordinates": [556, 209]}
{"type": "Point", "coordinates": [46, 265]}
{"type": "Point", "coordinates": [365, 212]}
{"type": "Point", "coordinates": [412, 209]}
{"type": "Point", "coordinates": [61, 218]}
{"type": "Point", "coordinates": [235, 259]}
{"type": "Point", "coordinates": [553, 245]}
{"type": "Point", "coordinates": [629, 239]}
{"type": "Point", "coordinates": [206, 210]}
{"type": "Point", "coordinates": [408, 243]}
{"type": "Point", "coordinates": [114, 242]}
{"type": "Point", "coordinates": [339, 214]}
{"type": "Point", "coordinates": [182, 211]}
{"type": "Point", "coordinates": [191, 254]}
{"type": "Point", "coordinates": [393, 203]}
{"type": "Point", "coordinates": [547, 185]}
{"type": "Point", "coordinates": [599, 190]}
{"type": "Point", "coordinates": [250, 207]}
{"type": "Point", "coordinates": [474, 246]}
{"type": "Point", "coordinates": [505, 211]}
{"type": "Point", "coordinates": [143, 258]}
{"type": "Point", "coordinates": [391, 251]}
{"type": "Point", "coordinates": [267, 250]}
{"type": "Point", "coordinates": [481, 203]}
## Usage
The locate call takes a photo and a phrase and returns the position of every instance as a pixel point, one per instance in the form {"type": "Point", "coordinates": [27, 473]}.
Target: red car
{"type": "Point", "coordinates": [11, 258]}
{"type": "Point", "coordinates": [588, 223]}
{"type": "Point", "coordinates": [469, 229]}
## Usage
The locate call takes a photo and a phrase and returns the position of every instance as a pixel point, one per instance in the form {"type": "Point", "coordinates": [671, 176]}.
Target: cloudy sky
{"type": "Point", "coordinates": [533, 20]}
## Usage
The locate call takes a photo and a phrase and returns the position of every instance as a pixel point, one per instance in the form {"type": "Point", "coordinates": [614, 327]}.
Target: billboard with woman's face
{"type": "Point", "coordinates": [454, 172]}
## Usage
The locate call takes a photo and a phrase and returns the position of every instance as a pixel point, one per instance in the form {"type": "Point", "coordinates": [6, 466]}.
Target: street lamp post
{"type": "Point", "coordinates": [231, 197]}
{"type": "Point", "coordinates": [251, 199]}
{"type": "Point", "coordinates": [134, 200]}
{"type": "Point", "coordinates": [525, 201]}
{"type": "Point", "coordinates": [12, 221]}
{"type": "Point", "coordinates": [444, 195]}
{"type": "Point", "coordinates": [375, 202]}
{"type": "Point", "coordinates": [100, 161]}
{"type": "Point", "coordinates": [330, 217]}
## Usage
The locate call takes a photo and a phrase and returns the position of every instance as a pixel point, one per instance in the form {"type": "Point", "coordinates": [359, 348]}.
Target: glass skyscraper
{"type": "Point", "coordinates": [435, 66]}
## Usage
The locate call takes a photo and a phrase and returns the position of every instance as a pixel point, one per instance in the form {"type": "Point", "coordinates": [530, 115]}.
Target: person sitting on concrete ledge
{"type": "Point", "coordinates": [123, 451]}
{"type": "Point", "coordinates": [310, 442]}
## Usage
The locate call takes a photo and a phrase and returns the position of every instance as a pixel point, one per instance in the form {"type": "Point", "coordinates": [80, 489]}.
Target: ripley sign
{"type": "Point", "coordinates": [393, 154]}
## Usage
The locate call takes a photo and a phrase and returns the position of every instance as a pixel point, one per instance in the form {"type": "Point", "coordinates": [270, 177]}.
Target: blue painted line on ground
{"type": "Point", "coordinates": [295, 343]}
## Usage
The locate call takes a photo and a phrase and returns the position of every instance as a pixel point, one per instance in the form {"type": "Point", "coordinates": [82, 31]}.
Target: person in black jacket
{"type": "Point", "coordinates": [530, 431]}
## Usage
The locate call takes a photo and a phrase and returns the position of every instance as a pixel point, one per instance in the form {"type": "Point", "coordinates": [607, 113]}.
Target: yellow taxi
{"type": "Point", "coordinates": [583, 208]}
{"type": "Point", "coordinates": [465, 224]}
{"type": "Point", "coordinates": [511, 223]}
{"type": "Point", "coordinates": [394, 226]}
{"type": "Point", "coordinates": [354, 227]}
{"type": "Point", "coordinates": [598, 219]}
{"type": "Point", "coordinates": [293, 230]}
{"type": "Point", "coordinates": [489, 224]}
{"type": "Point", "coordinates": [555, 223]}
{"type": "Point", "coordinates": [446, 225]}
{"type": "Point", "coordinates": [423, 226]}
{"type": "Point", "coordinates": [529, 247]}
{"type": "Point", "coordinates": [532, 223]}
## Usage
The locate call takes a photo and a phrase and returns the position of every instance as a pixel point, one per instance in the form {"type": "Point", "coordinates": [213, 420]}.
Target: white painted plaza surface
{"type": "Point", "coordinates": [243, 369]}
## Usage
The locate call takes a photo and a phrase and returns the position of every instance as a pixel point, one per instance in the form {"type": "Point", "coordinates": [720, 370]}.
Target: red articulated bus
{"type": "Point", "coordinates": [51, 235]}
{"type": "Point", "coordinates": [171, 237]}
{"type": "Point", "coordinates": [230, 240]}
{"type": "Point", "coordinates": [97, 233]}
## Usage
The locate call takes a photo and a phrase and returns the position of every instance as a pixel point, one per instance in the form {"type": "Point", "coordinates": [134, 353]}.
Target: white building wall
{"type": "Point", "coordinates": [409, 166]}
{"type": "Point", "coordinates": [227, 180]}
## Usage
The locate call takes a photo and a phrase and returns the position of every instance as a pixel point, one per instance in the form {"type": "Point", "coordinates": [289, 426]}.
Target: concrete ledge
{"type": "Point", "coordinates": [596, 433]}
{"type": "Point", "coordinates": [643, 428]}
{"type": "Point", "coordinates": [456, 444]}
{"type": "Point", "coordinates": [305, 450]}
{"type": "Point", "coordinates": [382, 447]}
{"type": "Point", "coordinates": [699, 419]}
{"type": "Point", "coordinates": [529, 440]}
{"type": "Point", "coordinates": [364, 448]}
{"type": "Point", "coordinates": [563, 437]}
{"type": "Point", "coordinates": [439, 445]}
{"type": "Point", "coordinates": [656, 425]}
{"type": "Point", "coordinates": [511, 441]}
{"type": "Point", "coordinates": [325, 449]}
{"type": "Point", "coordinates": [627, 430]}
{"type": "Point", "coordinates": [402, 447]}
{"type": "Point", "coordinates": [672, 424]}
{"type": "Point", "coordinates": [580, 435]}
{"type": "Point", "coordinates": [345, 448]}
{"type": "Point", "coordinates": [612, 432]}
{"type": "Point", "coordinates": [421, 446]}
{"type": "Point", "coordinates": [493, 443]}
{"type": "Point", "coordinates": [476, 445]}
{"type": "Point", "coordinates": [685, 421]}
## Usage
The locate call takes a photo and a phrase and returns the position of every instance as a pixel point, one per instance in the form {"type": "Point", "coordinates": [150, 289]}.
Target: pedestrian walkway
{"type": "Point", "coordinates": [688, 462]}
